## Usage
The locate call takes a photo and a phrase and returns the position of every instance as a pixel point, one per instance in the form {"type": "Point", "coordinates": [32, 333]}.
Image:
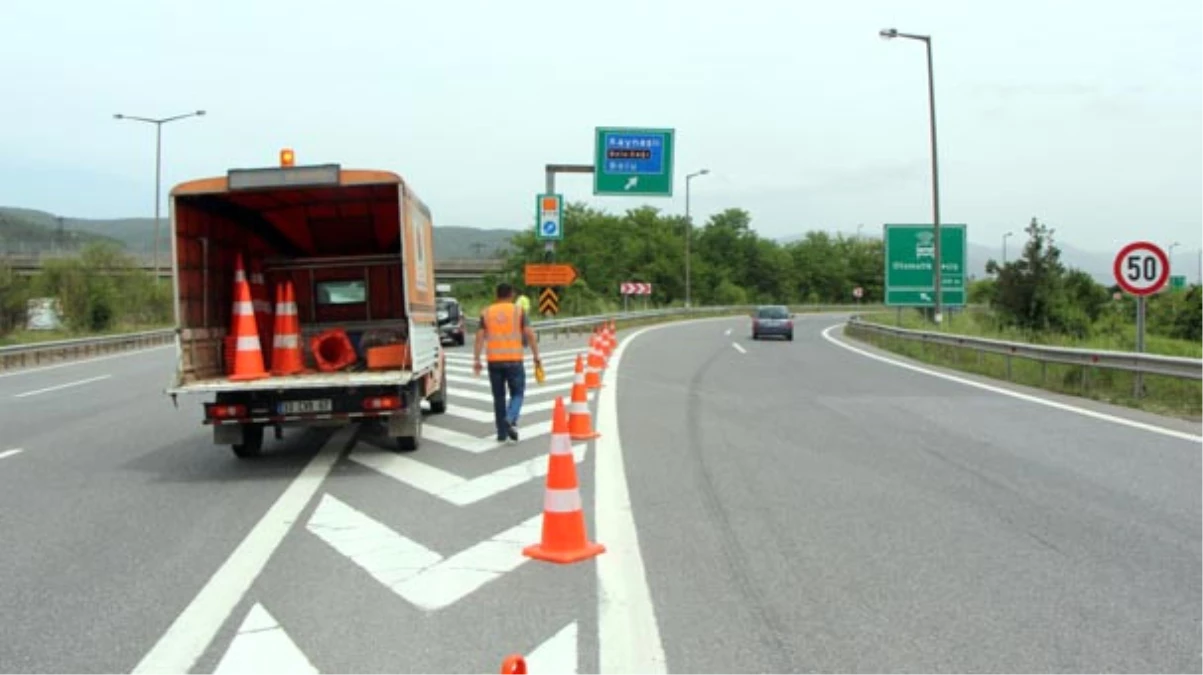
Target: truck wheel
{"type": "Point", "coordinates": [410, 443]}
{"type": "Point", "coordinates": [438, 402]}
{"type": "Point", "coordinates": [252, 442]}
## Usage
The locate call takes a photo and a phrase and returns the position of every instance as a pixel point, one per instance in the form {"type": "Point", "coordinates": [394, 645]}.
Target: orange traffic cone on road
{"type": "Point", "coordinates": [248, 353]}
{"type": "Point", "coordinates": [564, 538]}
{"type": "Point", "coordinates": [261, 302]}
{"type": "Point", "coordinates": [580, 421]}
{"type": "Point", "coordinates": [513, 664]}
{"type": "Point", "coordinates": [286, 338]}
{"type": "Point", "coordinates": [594, 365]}
{"type": "Point", "coordinates": [612, 333]}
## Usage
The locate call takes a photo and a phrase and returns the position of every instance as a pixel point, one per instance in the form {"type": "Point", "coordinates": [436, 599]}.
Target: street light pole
{"type": "Point", "coordinates": [1005, 246]}
{"type": "Point", "coordinates": [1172, 247]}
{"type": "Point", "coordinates": [689, 235]}
{"type": "Point", "coordinates": [889, 34]}
{"type": "Point", "coordinates": [158, 122]}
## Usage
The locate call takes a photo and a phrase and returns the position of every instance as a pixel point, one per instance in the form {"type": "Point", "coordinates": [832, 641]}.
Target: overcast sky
{"type": "Point", "coordinates": [1087, 115]}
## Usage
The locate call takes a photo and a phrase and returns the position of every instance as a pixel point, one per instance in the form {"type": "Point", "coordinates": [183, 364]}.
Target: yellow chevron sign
{"type": "Point", "coordinates": [549, 302]}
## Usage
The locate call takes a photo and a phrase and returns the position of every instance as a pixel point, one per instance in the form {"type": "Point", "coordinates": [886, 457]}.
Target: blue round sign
{"type": "Point", "coordinates": [549, 227]}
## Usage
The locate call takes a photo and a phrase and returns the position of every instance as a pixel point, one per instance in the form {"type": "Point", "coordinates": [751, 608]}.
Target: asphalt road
{"type": "Point", "coordinates": [793, 507]}
{"type": "Point", "coordinates": [801, 507]}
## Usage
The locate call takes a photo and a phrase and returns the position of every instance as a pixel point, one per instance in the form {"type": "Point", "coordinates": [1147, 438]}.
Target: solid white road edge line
{"type": "Point", "coordinates": [739, 348]}
{"type": "Point", "coordinates": [56, 387]}
{"type": "Point", "coordinates": [262, 646]}
{"type": "Point", "coordinates": [628, 636]}
{"type": "Point", "coordinates": [195, 627]}
{"type": "Point", "coordinates": [1014, 394]}
{"type": "Point", "coordinates": [41, 369]}
{"type": "Point", "coordinates": [9, 453]}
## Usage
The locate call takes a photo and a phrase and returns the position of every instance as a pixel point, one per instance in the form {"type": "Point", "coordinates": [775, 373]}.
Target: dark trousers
{"type": "Point", "coordinates": [501, 376]}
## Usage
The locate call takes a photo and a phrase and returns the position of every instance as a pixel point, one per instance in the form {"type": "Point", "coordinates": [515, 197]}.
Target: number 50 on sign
{"type": "Point", "coordinates": [1141, 268]}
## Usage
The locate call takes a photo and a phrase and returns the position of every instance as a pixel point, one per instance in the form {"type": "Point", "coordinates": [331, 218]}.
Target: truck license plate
{"type": "Point", "coordinates": [318, 406]}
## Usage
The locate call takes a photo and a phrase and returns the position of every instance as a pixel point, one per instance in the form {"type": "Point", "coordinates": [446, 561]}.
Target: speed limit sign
{"type": "Point", "coordinates": [1141, 268]}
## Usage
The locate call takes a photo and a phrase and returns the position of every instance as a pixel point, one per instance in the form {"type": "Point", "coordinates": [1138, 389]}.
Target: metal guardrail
{"type": "Point", "coordinates": [1132, 362]}
{"type": "Point", "coordinates": [39, 353]}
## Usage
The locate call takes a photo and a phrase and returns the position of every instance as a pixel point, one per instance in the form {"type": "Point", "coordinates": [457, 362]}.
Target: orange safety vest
{"type": "Point", "coordinates": [503, 331]}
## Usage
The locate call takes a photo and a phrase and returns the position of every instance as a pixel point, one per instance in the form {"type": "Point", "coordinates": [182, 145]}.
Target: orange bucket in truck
{"type": "Point", "coordinates": [332, 350]}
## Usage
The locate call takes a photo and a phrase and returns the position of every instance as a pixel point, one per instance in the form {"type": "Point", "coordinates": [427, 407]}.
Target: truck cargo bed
{"type": "Point", "coordinates": [374, 378]}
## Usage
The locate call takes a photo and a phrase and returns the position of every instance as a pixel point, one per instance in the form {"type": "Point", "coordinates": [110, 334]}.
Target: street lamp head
{"type": "Point", "coordinates": [118, 116]}
{"type": "Point", "coordinates": [703, 172]}
{"type": "Point", "coordinates": [200, 113]}
{"type": "Point", "coordinates": [888, 33]}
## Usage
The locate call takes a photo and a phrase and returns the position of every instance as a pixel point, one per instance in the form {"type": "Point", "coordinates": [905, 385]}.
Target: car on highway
{"type": "Point", "coordinates": [775, 320]}
{"type": "Point", "coordinates": [451, 320]}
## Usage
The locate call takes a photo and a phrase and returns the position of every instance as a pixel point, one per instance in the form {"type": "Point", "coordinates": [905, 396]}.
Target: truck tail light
{"type": "Point", "coordinates": [382, 403]}
{"type": "Point", "coordinates": [216, 411]}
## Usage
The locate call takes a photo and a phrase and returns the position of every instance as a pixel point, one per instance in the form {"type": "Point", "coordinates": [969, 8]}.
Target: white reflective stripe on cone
{"type": "Point", "coordinates": [244, 308]}
{"type": "Point", "coordinates": [287, 341]}
{"type": "Point", "coordinates": [579, 378]}
{"type": "Point", "coordinates": [561, 444]}
{"type": "Point", "coordinates": [286, 309]}
{"type": "Point", "coordinates": [578, 408]}
{"type": "Point", "coordinates": [247, 343]}
{"type": "Point", "coordinates": [239, 276]}
{"type": "Point", "coordinates": [562, 501]}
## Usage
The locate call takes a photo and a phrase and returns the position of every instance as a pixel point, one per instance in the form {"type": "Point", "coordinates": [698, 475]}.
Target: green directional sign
{"type": "Point", "coordinates": [1177, 282]}
{"type": "Point", "coordinates": [633, 161]}
{"type": "Point", "coordinates": [910, 255]}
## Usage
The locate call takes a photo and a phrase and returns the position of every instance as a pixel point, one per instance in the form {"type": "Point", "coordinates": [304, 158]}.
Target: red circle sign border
{"type": "Point", "coordinates": [1163, 278]}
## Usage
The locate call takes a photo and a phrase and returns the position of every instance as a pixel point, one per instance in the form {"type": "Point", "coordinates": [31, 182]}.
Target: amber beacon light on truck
{"type": "Point", "coordinates": [288, 174]}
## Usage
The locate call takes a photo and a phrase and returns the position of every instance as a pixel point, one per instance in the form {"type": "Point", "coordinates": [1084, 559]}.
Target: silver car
{"type": "Point", "coordinates": [773, 320]}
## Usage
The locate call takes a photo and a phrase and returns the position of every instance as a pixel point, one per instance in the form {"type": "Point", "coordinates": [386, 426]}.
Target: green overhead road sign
{"type": "Point", "coordinates": [1177, 282]}
{"type": "Point", "coordinates": [632, 161]}
{"type": "Point", "coordinates": [909, 256]}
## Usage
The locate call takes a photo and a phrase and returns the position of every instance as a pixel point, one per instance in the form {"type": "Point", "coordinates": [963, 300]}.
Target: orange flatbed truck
{"type": "Point", "coordinates": [357, 246]}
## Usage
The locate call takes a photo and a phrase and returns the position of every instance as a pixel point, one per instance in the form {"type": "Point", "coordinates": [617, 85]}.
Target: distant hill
{"type": "Point", "coordinates": [29, 231]}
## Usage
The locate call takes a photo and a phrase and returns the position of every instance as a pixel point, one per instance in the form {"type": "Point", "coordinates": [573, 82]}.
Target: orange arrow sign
{"type": "Point", "coordinates": [550, 274]}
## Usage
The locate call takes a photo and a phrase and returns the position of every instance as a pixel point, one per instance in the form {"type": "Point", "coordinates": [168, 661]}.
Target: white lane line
{"type": "Point", "coordinates": [464, 376]}
{"type": "Point", "coordinates": [195, 627]}
{"type": "Point", "coordinates": [9, 453]}
{"type": "Point", "coordinates": [536, 391]}
{"type": "Point", "coordinates": [1015, 394]}
{"type": "Point", "coordinates": [628, 636]}
{"type": "Point", "coordinates": [481, 444]}
{"type": "Point", "coordinates": [42, 369]}
{"type": "Point", "coordinates": [728, 331]}
{"type": "Point", "coordinates": [56, 387]}
{"type": "Point", "coordinates": [409, 569]}
{"type": "Point", "coordinates": [262, 646]}
{"type": "Point", "coordinates": [486, 417]}
{"type": "Point", "coordinates": [739, 348]}
{"type": "Point", "coordinates": [454, 488]}
{"type": "Point", "coordinates": [557, 655]}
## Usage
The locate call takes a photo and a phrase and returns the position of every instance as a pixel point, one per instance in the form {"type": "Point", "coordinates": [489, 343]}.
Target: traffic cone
{"type": "Point", "coordinates": [513, 664]}
{"type": "Point", "coordinates": [580, 422]}
{"type": "Point", "coordinates": [286, 338]}
{"type": "Point", "coordinates": [248, 354]}
{"type": "Point", "coordinates": [595, 365]}
{"type": "Point", "coordinates": [612, 331]}
{"type": "Point", "coordinates": [564, 538]}
{"type": "Point", "coordinates": [263, 307]}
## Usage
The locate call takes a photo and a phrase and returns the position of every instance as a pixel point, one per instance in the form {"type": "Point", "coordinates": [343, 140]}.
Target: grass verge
{"type": "Point", "coordinates": [32, 337]}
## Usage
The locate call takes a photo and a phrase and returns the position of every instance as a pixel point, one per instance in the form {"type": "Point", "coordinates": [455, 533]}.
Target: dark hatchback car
{"type": "Point", "coordinates": [451, 321]}
{"type": "Point", "coordinates": [773, 320]}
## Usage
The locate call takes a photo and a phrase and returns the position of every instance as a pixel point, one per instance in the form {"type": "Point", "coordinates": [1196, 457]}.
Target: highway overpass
{"type": "Point", "coordinates": [445, 271]}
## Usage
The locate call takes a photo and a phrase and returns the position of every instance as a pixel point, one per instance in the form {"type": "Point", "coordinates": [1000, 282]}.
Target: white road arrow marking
{"type": "Point", "coordinates": [557, 655]}
{"type": "Point", "coordinates": [451, 487]}
{"type": "Point", "coordinates": [262, 646]}
{"type": "Point", "coordinates": [412, 571]}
